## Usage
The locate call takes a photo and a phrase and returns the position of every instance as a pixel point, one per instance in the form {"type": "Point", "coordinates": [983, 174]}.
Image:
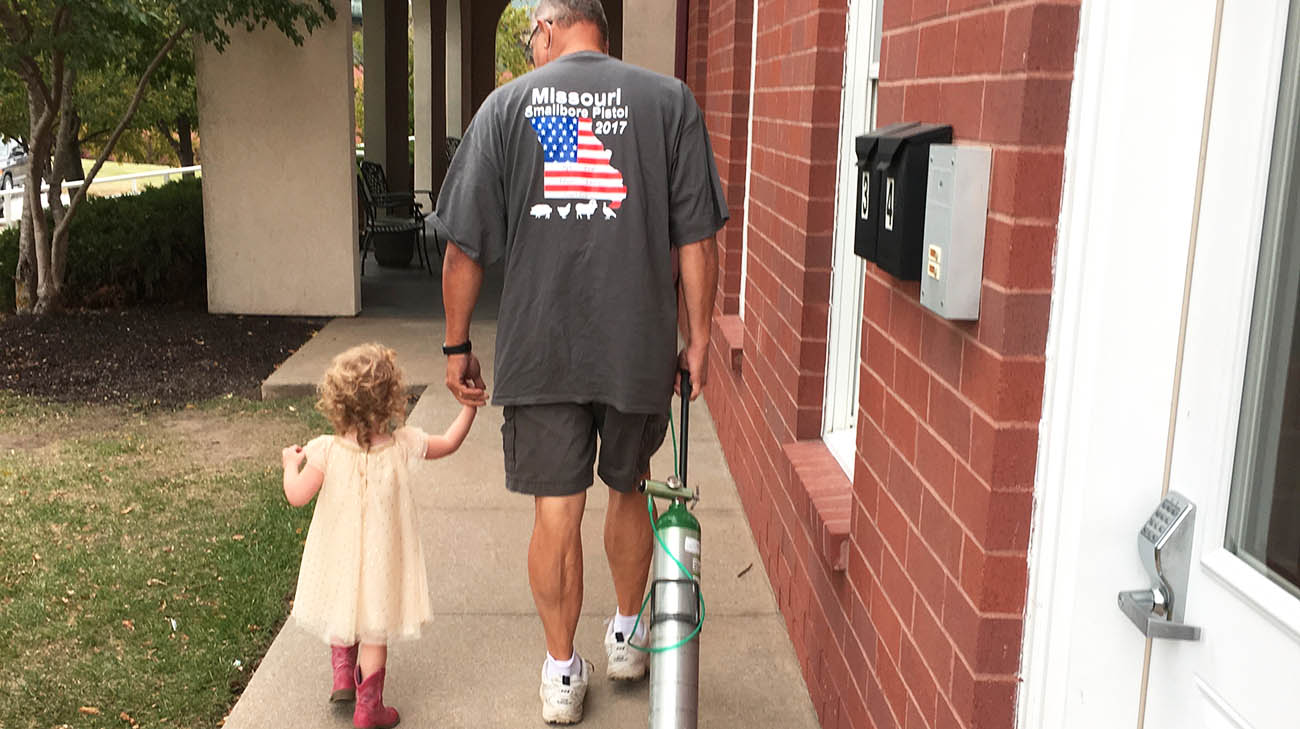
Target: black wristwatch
{"type": "Point", "coordinates": [456, 348]}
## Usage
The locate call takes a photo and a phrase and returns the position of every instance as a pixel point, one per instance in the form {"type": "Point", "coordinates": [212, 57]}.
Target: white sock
{"type": "Point", "coordinates": [623, 624]}
{"type": "Point", "coordinates": [557, 668]}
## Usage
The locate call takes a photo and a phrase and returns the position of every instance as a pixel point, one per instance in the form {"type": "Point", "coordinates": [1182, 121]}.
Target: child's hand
{"type": "Point", "coordinates": [293, 457]}
{"type": "Point", "coordinates": [299, 485]}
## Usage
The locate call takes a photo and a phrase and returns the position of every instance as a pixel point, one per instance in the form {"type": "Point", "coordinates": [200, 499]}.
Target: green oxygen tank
{"type": "Point", "coordinates": [675, 613]}
{"type": "Point", "coordinates": [676, 606]}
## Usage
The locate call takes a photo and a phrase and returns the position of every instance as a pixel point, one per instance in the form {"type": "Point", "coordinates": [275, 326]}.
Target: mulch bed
{"type": "Point", "coordinates": [145, 355]}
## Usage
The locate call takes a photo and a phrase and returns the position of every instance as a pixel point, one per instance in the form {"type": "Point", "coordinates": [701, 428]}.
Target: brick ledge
{"type": "Point", "coordinates": [830, 498]}
{"type": "Point", "coordinates": [732, 329]}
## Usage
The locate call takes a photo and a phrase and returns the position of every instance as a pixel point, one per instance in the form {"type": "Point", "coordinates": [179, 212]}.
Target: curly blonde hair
{"type": "Point", "coordinates": [362, 392]}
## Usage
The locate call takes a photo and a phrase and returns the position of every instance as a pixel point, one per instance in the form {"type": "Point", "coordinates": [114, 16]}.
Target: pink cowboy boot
{"type": "Point", "coordinates": [344, 661]}
{"type": "Point", "coordinates": [370, 712]}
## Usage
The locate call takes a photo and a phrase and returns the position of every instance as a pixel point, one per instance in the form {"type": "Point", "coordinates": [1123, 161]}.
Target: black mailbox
{"type": "Point", "coordinates": [902, 167]}
{"type": "Point", "coordinates": [866, 217]}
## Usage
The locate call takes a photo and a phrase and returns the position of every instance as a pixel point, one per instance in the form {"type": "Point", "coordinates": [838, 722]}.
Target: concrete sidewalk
{"type": "Point", "coordinates": [402, 309]}
{"type": "Point", "coordinates": [478, 664]}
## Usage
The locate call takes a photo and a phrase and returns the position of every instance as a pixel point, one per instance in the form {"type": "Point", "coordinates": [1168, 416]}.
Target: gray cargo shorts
{"type": "Point", "coordinates": [550, 449]}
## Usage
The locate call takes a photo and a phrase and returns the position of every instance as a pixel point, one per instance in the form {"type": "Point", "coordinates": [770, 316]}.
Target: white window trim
{"type": "Point", "coordinates": [844, 322]}
{"type": "Point", "coordinates": [749, 162]}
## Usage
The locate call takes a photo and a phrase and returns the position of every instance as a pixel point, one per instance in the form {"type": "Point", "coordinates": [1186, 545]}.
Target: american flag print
{"type": "Point", "coordinates": [577, 165]}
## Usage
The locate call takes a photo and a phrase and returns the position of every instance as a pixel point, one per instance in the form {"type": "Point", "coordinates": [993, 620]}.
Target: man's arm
{"type": "Point", "coordinates": [699, 268]}
{"type": "Point", "coordinates": [461, 280]}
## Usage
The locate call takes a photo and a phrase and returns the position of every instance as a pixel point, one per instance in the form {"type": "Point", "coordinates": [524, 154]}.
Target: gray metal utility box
{"type": "Point", "coordinates": [956, 214]}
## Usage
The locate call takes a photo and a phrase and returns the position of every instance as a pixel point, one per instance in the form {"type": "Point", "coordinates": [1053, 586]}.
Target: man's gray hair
{"type": "Point", "coordinates": [565, 13]}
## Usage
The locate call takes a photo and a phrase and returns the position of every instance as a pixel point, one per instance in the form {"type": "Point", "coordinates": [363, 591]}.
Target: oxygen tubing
{"type": "Point", "coordinates": [650, 508]}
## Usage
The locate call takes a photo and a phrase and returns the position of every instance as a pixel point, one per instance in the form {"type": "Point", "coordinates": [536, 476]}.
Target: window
{"type": "Point", "coordinates": [1264, 511]}
{"type": "Point", "coordinates": [844, 335]}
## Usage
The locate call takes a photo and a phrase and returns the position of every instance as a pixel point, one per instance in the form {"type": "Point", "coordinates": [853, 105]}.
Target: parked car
{"type": "Point", "coordinates": [13, 172]}
{"type": "Point", "coordinates": [13, 163]}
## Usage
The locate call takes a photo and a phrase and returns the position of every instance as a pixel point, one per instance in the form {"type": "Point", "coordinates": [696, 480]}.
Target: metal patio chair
{"type": "Point", "coordinates": [382, 216]}
{"type": "Point", "coordinates": [385, 212]}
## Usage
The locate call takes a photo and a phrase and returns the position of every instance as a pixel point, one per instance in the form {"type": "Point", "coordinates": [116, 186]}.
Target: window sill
{"type": "Point", "coordinates": [829, 498]}
{"type": "Point", "coordinates": [732, 331]}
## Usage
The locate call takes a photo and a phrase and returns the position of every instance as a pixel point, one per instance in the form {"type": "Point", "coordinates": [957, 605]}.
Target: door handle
{"type": "Point", "coordinates": [1142, 607]}
{"type": "Point", "coordinates": [1165, 547]}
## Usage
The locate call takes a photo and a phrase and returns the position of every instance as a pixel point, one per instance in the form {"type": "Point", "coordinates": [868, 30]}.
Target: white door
{"type": "Point", "coordinates": [1153, 384]}
{"type": "Point", "coordinates": [1235, 452]}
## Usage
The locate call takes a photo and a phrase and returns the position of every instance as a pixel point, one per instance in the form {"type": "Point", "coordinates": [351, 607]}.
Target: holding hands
{"type": "Point", "coordinates": [465, 380]}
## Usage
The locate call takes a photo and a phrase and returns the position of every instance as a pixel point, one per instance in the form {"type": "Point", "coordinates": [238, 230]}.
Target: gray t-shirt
{"type": "Point", "coordinates": [584, 174]}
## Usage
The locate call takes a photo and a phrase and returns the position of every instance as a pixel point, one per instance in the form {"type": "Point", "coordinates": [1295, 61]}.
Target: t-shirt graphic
{"type": "Point", "coordinates": [588, 308]}
{"type": "Point", "coordinates": [577, 165]}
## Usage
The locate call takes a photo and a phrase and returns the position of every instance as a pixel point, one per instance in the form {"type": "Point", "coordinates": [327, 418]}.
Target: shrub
{"type": "Point", "coordinates": [8, 265]}
{"type": "Point", "coordinates": [145, 248]}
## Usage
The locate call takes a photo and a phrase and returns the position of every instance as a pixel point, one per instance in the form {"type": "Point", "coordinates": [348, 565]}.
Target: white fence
{"type": "Point", "coordinates": [11, 200]}
{"type": "Point", "coordinates": [361, 148]}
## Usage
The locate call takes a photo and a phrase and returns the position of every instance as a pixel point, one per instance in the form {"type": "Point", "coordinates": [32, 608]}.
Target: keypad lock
{"type": "Point", "coordinates": [1165, 547]}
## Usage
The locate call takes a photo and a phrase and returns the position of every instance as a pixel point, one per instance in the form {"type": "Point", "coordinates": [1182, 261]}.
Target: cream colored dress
{"type": "Point", "coordinates": [362, 576]}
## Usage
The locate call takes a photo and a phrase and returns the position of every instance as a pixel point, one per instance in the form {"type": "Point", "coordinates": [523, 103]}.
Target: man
{"type": "Point", "coordinates": [589, 176]}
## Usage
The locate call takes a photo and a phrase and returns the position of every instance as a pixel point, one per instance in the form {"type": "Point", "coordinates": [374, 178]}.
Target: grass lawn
{"type": "Point", "coordinates": [112, 169]}
{"type": "Point", "coordinates": [148, 555]}
{"type": "Point", "coordinates": [120, 168]}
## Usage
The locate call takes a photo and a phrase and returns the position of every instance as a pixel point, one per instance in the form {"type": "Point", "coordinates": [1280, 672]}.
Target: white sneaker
{"type": "Point", "coordinates": [625, 662]}
{"type": "Point", "coordinates": [563, 696]}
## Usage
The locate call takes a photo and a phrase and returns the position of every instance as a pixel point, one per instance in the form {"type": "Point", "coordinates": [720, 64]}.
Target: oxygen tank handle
{"type": "Point", "coordinates": [686, 402]}
{"type": "Point", "coordinates": [670, 490]}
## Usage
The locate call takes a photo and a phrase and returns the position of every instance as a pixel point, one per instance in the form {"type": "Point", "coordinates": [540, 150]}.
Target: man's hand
{"type": "Point", "coordinates": [465, 380]}
{"type": "Point", "coordinates": [462, 278]}
{"type": "Point", "coordinates": [695, 360]}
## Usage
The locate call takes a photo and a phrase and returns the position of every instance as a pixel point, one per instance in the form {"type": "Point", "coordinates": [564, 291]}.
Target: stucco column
{"type": "Point", "coordinates": [279, 181]}
{"type": "Point", "coordinates": [387, 94]}
{"type": "Point", "coordinates": [650, 34]}
{"type": "Point", "coordinates": [430, 20]}
{"type": "Point", "coordinates": [467, 67]}
{"type": "Point", "coordinates": [455, 70]}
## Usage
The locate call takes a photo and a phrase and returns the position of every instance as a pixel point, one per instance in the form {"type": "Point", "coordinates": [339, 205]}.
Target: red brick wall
{"type": "Point", "coordinates": [904, 590]}
{"type": "Point", "coordinates": [728, 28]}
{"type": "Point", "coordinates": [697, 48]}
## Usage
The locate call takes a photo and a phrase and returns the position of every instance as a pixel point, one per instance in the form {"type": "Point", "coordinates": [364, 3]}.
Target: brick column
{"type": "Point", "coordinates": [726, 109]}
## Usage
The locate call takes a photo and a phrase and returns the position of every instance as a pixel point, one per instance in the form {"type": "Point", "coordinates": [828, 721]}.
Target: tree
{"type": "Point", "coordinates": [359, 80]}
{"type": "Point", "coordinates": [13, 107]}
{"type": "Point", "coordinates": [176, 106]}
{"type": "Point", "coordinates": [50, 44]}
{"type": "Point", "coordinates": [154, 134]}
{"type": "Point", "coordinates": [512, 39]}
{"type": "Point", "coordinates": [165, 123]}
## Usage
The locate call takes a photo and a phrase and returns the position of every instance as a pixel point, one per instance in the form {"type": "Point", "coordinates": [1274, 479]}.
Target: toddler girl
{"type": "Point", "coordinates": [362, 579]}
